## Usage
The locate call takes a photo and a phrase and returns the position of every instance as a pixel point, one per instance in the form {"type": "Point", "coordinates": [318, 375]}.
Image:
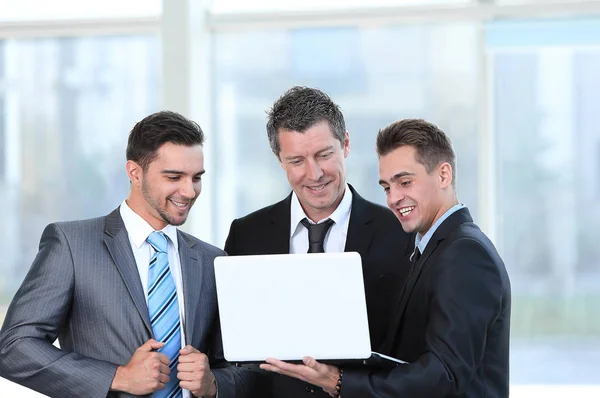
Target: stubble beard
{"type": "Point", "coordinates": [154, 204]}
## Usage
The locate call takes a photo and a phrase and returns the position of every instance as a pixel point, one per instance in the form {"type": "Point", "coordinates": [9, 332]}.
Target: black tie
{"type": "Point", "coordinates": [316, 234]}
{"type": "Point", "coordinates": [413, 262]}
{"type": "Point", "coordinates": [416, 255]}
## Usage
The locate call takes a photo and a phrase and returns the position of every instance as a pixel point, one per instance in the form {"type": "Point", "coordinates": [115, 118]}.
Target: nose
{"type": "Point", "coordinates": [314, 171]}
{"type": "Point", "coordinates": [187, 188]}
{"type": "Point", "coordinates": [394, 197]}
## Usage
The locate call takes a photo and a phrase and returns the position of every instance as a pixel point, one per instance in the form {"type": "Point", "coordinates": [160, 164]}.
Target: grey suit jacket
{"type": "Point", "coordinates": [84, 289]}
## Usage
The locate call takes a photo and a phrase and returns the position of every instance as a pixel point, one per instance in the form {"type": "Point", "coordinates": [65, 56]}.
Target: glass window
{"type": "Point", "coordinates": [540, 2]}
{"type": "Point", "coordinates": [31, 10]}
{"type": "Point", "coordinates": [66, 107]}
{"type": "Point", "coordinates": [3, 90]}
{"type": "Point", "coordinates": [546, 95]}
{"type": "Point", "coordinates": [377, 75]}
{"type": "Point", "coordinates": [225, 6]}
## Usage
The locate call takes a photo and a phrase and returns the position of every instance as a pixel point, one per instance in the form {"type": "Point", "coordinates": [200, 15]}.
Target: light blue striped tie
{"type": "Point", "coordinates": [163, 308]}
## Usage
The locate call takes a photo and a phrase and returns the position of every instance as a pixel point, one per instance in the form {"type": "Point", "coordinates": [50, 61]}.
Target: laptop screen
{"type": "Point", "coordinates": [288, 306]}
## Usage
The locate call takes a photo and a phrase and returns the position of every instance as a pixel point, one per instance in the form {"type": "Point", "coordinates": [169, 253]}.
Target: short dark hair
{"type": "Point", "coordinates": [433, 146]}
{"type": "Point", "coordinates": [154, 130]}
{"type": "Point", "coordinates": [300, 108]}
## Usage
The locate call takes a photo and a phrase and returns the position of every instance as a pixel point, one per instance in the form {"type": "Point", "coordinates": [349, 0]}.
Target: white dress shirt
{"type": "Point", "coordinates": [138, 230]}
{"type": "Point", "coordinates": [335, 239]}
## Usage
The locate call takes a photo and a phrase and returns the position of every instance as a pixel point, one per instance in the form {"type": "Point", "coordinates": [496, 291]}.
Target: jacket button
{"type": "Point", "coordinates": [309, 389]}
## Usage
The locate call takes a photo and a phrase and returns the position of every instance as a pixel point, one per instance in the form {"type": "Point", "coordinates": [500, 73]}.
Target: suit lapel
{"type": "Point", "coordinates": [279, 242]}
{"type": "Point", "coordinates": [444, 230]}
{"type": "Point", "coordinates": [360, 228]}
{"type": "Point", "coordinates": [414, 276]}
{"type": "Point", "coordinates": [191, 271]}
{"type": "Point", "coordinates": [116, 239]}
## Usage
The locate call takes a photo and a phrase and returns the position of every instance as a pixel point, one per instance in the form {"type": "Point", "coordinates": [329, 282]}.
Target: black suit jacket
{"type": "Point", "coordinates": [452, 323]}
{"type": "Point", "coordinates": [373, 232]}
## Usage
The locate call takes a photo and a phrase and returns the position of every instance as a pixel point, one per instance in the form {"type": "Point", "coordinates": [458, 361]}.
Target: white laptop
{"type": "Point", "coordinates": [287, 306]}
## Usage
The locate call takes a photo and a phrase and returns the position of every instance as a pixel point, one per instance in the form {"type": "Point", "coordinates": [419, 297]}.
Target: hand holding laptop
{"type": "Point", "coordinates": [266, 301]}
{"type": "Point", "coordinates": [311, 371]}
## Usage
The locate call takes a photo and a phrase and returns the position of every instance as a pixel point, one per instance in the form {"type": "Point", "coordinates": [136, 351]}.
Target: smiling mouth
{"type": "Point", "coordinates": [405, 211]}
{"type": "Point", "coordinates": [180, 205]}
{"type": "Point", "coordinates": [317, 188]}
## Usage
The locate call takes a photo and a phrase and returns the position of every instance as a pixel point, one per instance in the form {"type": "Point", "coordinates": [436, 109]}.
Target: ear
{"type": "Point", "coordinates": [135, 173]}
{"type": "Point", "coordinates": [445, 173]}
{"type": "Point", "coordinates": [346, 146]}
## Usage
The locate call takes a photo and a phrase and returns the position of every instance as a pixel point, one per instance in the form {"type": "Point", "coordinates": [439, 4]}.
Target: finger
{"type": "Point", "coordinates": [164, 369]}
{"type": "Point", "coordinates": [195, 357]}
{"type": "Point", "coordinates": [288, 367]}
{"type": "Point", "coordinates": [163, 358]}
{"type": "Point", "coordinates": [270, 368]}
{"type": "Point", "coordinates": [274, 362]}
{"type": "Point", "coordinates": [188, 349]}
{"type": "Point", "coordinates": [190, 367]}
{"type": "Point", "coordinates": [302, 371]}
{"type": "Point", "coordinates": [275, 369]}
{"type": "Point", "coordinates": [163, 378]}
{"type": "Point", "coordinates": [189, 376]}
{"type": "Point", "coordinates": [187, 385]}
{"type": "Point", "coordinates": [150, 345]}
{"type": "Point", "coordinates": [314, 364]}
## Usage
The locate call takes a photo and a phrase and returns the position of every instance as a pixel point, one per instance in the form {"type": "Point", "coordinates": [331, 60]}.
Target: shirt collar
{"type": "Point", "coordinates": [422, 241]}
{"type": "Point", "coordinates": [139, 229]}
{"type": "Point", "coordinates": [340, 215]}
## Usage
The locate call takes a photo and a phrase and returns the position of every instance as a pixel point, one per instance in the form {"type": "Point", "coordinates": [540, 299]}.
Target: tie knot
{"type": "Point", "coordinates": [316, 234]}
{"type": "Point", "coordinates": [158, 241]}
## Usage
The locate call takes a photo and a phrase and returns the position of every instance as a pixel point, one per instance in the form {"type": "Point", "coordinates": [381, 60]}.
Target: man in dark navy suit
{"type": "Point", "coordinates": [452, 321]}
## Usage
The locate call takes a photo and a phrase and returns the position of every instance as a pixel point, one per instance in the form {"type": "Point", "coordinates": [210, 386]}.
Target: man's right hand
{"type": "Point", "coordinates": [146, 372]}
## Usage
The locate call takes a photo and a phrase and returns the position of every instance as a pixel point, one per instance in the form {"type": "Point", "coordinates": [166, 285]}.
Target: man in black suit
{"type": "Point", "coordinates": [307, 133]}
{"type": "Point", "coordinates": [452, 321]}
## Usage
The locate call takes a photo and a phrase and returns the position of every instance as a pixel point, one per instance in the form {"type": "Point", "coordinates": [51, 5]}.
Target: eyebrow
{"type": "Point", "coordinates": [292, 157]}
{"type": "Point", "coordinates": [180, 173]}
{"type": "Point", "coordinates": [397, 176]}
{"type": "Point", "coordinates": [329, 148]}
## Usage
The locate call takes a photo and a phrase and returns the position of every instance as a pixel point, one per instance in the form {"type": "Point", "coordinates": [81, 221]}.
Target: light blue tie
{"type": "Point", "coordinates": [163, 308]}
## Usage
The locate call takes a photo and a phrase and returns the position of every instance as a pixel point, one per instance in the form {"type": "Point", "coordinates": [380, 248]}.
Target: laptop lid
{"type": "Point", "coordinates": [287, 306]}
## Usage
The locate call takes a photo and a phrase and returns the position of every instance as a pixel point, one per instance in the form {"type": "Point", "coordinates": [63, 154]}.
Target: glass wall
{"type": "Point", "coordinates": [65, 10]}
{"type": "Point", "coordinates": [66, 107]}
{"type": "Point", "coordinates": [546, 107]}
{"type": "Point", "coordinates": [541, 104]}
{"type": "Point", "coordinates": [532, 87]}
{"type": "Point", "coordinates": [377, 75]}
{"type": "Point", "coordinates": [316, 6]}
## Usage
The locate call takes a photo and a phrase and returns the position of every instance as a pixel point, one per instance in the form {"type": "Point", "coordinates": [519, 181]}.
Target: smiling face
{"type": "Point", "coordinates": [416, 197]}
{"type": "Point", "coordinates": [314, 162]}
{"type": "Point", "coordinates": [165, 192]}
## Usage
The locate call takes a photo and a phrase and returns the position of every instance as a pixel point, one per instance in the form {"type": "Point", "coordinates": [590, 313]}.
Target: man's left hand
{"type": "Point", "coordinates": [313, 372]}
{"type": "Point", "coordinates": [194, 373]}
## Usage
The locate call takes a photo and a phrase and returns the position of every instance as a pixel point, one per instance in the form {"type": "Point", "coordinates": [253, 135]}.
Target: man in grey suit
{"type": "Point", "coordinates": [130, 297]}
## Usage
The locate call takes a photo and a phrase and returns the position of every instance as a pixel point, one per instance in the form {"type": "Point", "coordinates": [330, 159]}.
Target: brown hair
{"type": "Point", "coordinates": [150, 133]}
{"type": "Point", "coordinates": [433, 146]}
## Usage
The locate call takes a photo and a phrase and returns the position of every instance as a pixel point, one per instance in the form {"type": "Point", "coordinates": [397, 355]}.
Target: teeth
{"type": "Point", "coordinates": [406, 210]}
{"type": "Point", "coordinates": [320, 187]}
{"type": "Point", "coordinates": [178, 204]}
